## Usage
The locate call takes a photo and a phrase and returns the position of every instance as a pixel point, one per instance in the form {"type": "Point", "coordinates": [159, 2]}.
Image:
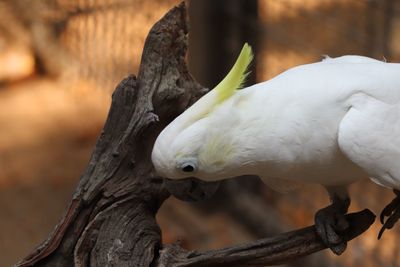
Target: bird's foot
{"type": "Point", "coordinates": [392, 211]}
{"type": "Point", "coordinates": [331, 224]}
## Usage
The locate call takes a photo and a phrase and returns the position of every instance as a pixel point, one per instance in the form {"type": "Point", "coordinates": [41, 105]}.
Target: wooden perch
{"type": "Point", "coordinates": [111, 218]}
{"type": "Point", "coordinates": [279, 249]}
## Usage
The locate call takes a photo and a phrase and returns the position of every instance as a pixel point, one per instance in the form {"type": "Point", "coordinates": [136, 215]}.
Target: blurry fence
{"type": "Point", "coordinates": [301, 31]}
{"type": "Point", "coordinates": [101, 41]}
{"type": "Point", "coordinates": [95, 40]}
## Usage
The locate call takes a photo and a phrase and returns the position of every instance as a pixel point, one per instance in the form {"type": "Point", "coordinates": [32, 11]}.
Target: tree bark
{"type": "Point", "coordinates": [111, 218]}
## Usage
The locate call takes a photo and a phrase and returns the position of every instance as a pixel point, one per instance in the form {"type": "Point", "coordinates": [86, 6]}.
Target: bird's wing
{"type": "Point", "coordinates": [369, 135]}
{"type": "Point", "coordinates": [282, 185]}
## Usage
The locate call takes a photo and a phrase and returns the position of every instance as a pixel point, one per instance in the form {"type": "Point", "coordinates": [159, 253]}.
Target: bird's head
{"type": "Point", "coordinates": [194, 145]}
{"type": "Point", "coordinates": [201, 150]}
{"type": "Point", "coordinates": [176, 151]}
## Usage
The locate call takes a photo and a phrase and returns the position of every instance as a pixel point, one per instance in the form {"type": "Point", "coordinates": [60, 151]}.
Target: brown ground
{"type": "Point", "coordinates": [47, 133]}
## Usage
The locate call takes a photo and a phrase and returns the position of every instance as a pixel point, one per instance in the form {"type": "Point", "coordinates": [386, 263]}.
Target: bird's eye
{"type": "Point", "coordinates": [188, 168]}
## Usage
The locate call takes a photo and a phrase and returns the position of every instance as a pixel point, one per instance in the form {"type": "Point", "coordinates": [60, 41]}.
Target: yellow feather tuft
{"type": "Point", "coordinates": [225, 89]}
{"type": "Point", "coordinates": [236, 76]}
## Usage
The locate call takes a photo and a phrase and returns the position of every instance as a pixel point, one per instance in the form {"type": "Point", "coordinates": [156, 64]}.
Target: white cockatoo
{"type": "Point", "coordinates": [332, 123]}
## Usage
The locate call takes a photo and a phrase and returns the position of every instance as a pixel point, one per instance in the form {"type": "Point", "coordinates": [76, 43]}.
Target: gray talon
{"type": "Point", "coordinates": [392, 211]}
{"type": "Point", "coordinates": [331, 223]}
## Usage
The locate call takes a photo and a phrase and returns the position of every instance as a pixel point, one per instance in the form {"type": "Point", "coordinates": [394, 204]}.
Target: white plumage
{"type": "Point", "coordinates": [331, 122]}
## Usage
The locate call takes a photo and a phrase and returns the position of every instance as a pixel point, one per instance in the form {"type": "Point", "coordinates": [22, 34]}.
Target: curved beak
{"type": "Point", "coordinates": [191, 189]}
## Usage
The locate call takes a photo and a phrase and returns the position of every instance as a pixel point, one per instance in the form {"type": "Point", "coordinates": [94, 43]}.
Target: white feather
{"type": "Point", "coordinates": [332, 123]}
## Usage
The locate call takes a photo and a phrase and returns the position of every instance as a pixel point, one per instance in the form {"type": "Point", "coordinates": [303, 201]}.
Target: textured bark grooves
{"type": "Point", "coordinates": [111, 218]}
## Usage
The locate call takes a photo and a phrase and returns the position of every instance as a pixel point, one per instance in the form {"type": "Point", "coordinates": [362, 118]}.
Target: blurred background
{"type": "Point", "coordinates": [60, 61]}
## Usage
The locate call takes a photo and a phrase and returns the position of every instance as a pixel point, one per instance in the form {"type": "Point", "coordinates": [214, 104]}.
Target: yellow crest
{"type": "Point", "coordinates": [236, 76]}
{"type": "Point", "coordinates": [225, 89]}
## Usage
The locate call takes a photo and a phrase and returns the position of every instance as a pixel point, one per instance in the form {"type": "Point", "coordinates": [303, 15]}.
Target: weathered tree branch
{"type": "Point", "coordinates": [279, 249]}
{"type": "Point", "coordinates": [111, 218]}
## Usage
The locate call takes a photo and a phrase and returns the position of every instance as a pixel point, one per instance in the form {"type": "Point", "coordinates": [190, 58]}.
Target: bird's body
{"type": "Point", "coordinates": [298, 125]}
{"type": "Point", "coordinates": [331, 123]}
{"type": "Point", "coordinates": [295, 127]}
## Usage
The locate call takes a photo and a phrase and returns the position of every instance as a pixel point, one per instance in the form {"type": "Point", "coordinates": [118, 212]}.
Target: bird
{"type": "Point", "coordinates": [332, 123]}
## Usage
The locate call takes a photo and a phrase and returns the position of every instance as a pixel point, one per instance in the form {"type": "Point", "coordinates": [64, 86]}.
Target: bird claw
{"type": "Point", "coordinates": [392, 211]}
{"type": "Point", "coordinates": [330, 225]}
